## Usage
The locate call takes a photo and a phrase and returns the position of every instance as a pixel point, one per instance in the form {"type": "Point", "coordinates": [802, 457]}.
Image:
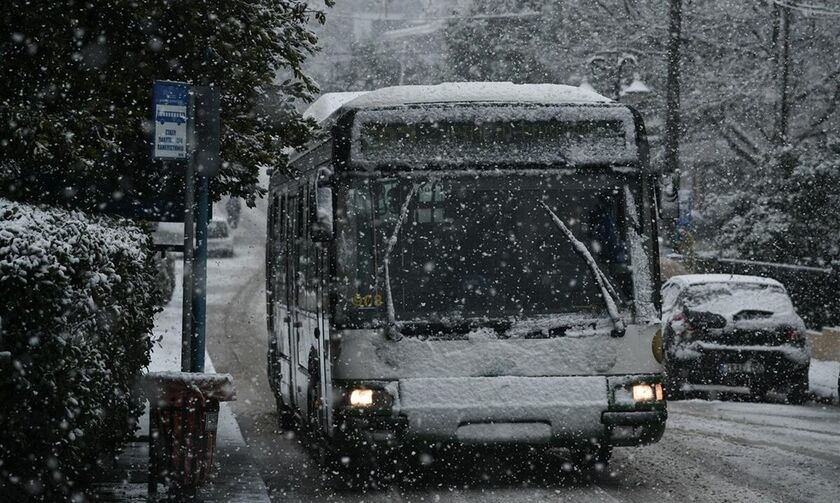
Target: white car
{"type": "Point", "coordinates": [219, 239]}
{"type": "Point", "coordinates": [735, 332]}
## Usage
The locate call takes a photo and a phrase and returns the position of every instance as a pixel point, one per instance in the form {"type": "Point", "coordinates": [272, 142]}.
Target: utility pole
{"type": "Point", "coordinates": [783, 70]}
{"type": "Point", "coordinates": [673, 124]}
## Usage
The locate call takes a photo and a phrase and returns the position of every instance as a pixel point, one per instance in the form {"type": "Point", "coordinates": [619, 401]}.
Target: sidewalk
{"type": "Point", "coordinates": [236, 478]}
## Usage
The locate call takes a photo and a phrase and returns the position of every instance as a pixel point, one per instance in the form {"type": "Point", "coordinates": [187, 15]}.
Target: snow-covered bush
{"type": "Point", "coordinates": [790, 217]}
{"type": "Point", "coordinates": [165, 278]}
{"type": "Point", "coordinates": [77, 299]}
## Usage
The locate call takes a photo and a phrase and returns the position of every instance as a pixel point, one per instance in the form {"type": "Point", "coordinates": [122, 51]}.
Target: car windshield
{"type": "Point", "coordinates": [481, 247]}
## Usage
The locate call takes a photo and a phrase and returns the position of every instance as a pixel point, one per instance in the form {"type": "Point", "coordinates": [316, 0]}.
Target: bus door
{"type": "Point", "coordinates": [292, 295]}
{"type": "Point", "coordinates": [281, 303]}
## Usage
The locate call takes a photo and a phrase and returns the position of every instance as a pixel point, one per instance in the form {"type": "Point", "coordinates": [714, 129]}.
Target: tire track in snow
{"type": "Point", "coordinates": [752, 472]}
{"type": "Point", "coordinates": [791, 447]}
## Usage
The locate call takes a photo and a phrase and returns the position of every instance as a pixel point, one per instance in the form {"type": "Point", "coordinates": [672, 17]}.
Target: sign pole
{"type": "Point", "coordinates": [189, 289]}
{"type": "Point", "coordinates": [199, 301]}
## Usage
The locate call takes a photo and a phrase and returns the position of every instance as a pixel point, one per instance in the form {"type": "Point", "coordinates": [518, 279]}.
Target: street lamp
{"type": "Point", "coordinates": [616, 61]}
{"type": "Point", "coordinates": [635, 88]}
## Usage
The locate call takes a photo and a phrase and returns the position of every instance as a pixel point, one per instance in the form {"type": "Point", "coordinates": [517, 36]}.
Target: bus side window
{"type": "Point", "coordinates": [292, 243]}
{"type": "Point", "coordinates": [280, 249]}
{"type": "Point", "coordinates": [271, 256]}
{"type": "Point", "coordinates": [307, 254]}
{"type": "Point", "coordinates": [300, 213]}
{"type": "Point", "coordinates": [271, 220]}
{"type": "Point", "coordinates": [300, 245]}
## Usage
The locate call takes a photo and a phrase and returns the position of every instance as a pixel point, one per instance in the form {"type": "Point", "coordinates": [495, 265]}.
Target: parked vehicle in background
{"type": "Point", "coordinates": [165, 276]}
{"type": "Point", "coordinates": [734, 332]}
{"type": "Point", "coordinates": [233, 206]}
{"type": "Point", "coordinates": [219, 239]}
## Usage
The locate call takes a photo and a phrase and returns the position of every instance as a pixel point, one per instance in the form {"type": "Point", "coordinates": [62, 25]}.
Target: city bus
{"type": "Point", "coordinates": [467, 264]}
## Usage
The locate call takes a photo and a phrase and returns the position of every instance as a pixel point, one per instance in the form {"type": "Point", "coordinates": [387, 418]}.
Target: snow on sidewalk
{"type": "Point", "coordinates": [823, 377]}
{"type": "Point", "coordinates": [236, 479]}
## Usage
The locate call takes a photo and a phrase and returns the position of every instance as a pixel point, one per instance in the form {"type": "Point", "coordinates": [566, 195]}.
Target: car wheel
{"type": "Point", "coordinates": [673, 389]}
{"type": "Point", "coordinates": [673, 386]}
{"type": "Point", "coordinates": [758, 392]}
{"type": "Point", "coordinates": [798, 394]}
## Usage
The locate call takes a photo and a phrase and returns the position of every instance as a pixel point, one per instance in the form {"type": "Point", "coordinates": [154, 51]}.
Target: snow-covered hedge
{"type": "Point", "coordinates": [165, 279]}
{"type": "Point", "coordinates": [77, 299]}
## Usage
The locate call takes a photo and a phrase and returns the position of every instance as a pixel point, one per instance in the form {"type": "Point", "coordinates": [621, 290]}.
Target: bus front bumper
{"type": "Point", "coordinates": [486, 411]}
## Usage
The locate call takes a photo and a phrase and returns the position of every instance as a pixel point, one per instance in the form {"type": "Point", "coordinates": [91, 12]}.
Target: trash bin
{"type": "Point", "coordinates": [183, 417]}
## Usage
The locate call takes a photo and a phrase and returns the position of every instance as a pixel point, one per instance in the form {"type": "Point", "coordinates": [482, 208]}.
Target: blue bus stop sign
{"type": "Point", "coordinates": [169, 113]}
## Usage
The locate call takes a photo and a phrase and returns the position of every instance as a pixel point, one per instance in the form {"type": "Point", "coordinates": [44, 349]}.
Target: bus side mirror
{"type": "Point", "coordinates": [322, 224]}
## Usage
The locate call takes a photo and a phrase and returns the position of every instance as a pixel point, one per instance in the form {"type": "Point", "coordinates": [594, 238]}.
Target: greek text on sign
{"type": "Point", "coordinates": [170, 118]}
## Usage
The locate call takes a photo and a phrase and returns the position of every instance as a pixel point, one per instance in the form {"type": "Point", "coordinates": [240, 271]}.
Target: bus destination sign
{"type": "Point", "coordinates": [556, 140]}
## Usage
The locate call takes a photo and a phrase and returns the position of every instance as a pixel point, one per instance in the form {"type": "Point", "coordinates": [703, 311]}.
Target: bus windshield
{"type": "Point", "coordinates": [480, 247]}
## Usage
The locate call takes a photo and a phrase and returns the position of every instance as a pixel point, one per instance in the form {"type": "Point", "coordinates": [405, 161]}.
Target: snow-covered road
{"type": "Point", "coordinates": [711, 451]}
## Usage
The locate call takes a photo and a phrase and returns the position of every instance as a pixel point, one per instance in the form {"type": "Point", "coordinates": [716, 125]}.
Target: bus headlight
{"type": "Point", "coordinates": [647, 392]}
{"type": "Point", "coordinates": [368, 398]}
{"type": "Point", "coordinates": [361, 397]}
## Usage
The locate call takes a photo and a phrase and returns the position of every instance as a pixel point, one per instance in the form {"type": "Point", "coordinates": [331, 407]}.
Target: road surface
{"type": "Point", "coordinates": [711, 451]}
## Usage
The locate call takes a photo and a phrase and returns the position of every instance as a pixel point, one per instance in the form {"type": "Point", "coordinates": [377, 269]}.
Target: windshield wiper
{"type": "Point", "coordinates": [392, 331]}
{"type": "Point", "coordinates": [608, 292]}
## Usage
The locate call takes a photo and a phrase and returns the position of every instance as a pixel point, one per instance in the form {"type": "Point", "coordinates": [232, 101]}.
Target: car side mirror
{"type": "Point", "coordinates": [322, 221]}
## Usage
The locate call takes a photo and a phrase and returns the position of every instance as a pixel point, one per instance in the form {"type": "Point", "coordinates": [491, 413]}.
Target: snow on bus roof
{"type": "Point", "coordinates": [699, 279]}
{"type": "Point", "coordinates": [459, 92]}
{"type": "Point", "coordinates": [451, 92]}
{"type": "Point", "coordinates": [328, 103]}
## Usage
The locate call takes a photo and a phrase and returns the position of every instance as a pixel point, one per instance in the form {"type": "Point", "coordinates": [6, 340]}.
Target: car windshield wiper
{"type": "Point", "coordinates": [392, 331]}
{"type": "Point", "coordinates": [608, 292]}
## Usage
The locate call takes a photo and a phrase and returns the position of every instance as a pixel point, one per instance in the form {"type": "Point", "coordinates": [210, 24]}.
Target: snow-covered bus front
{"type": "Point", "coordinates": [469, 264]}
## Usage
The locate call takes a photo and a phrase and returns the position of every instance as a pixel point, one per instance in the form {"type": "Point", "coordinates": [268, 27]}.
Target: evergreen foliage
{"type": "Point", "coordinates": [789, 217]}
{"type": "Point", "coordinates": [76, 95]}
